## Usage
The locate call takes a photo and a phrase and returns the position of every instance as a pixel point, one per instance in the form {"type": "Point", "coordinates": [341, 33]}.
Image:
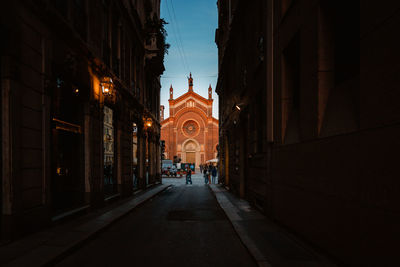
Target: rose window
{"type": "Point", "coordinates": [190, 128]}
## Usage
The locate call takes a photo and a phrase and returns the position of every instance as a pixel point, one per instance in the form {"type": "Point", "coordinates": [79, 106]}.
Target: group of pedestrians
{"type": "Point", "coordinates": [209, 171]}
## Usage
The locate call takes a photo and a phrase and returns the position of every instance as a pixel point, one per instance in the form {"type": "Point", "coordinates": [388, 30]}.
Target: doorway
{"type": "Point", "coordinates": [191, 157]}
{"type": "Point", "coordinates": [67, 183]}
{"type": "Point", "coordinates": [191, 152]}
{"type": "Point", "coordinates": [67, 187]}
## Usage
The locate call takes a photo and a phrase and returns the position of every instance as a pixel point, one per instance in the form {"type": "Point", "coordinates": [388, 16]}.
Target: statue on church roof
{"type": "Point", "coordinates": [190, 80]}
{"type": "Point", "coordinates": [171, 92]}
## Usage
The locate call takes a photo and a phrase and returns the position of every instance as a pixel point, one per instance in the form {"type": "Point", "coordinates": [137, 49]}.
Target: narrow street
{"type": "Point", "coordinates": [183, 226]}
{"type": "Point", "coordinates": [293, 104]}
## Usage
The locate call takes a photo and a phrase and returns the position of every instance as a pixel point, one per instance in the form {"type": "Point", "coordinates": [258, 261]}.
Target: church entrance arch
{"type": "Point", "coordinates": [191, 152]}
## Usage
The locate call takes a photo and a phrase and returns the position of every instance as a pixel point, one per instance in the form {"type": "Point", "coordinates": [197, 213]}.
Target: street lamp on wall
{"type": "Point", "coordinates": [148, 122]}
{"type": "Point", "coordinates": [107, 86]}
{"type": "Point", "coordinates": [239, 106]}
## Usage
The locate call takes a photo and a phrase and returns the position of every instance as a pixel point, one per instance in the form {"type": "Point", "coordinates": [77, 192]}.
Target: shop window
{"type": "Point", "coordinates": [110, 181]}
{"type": "Point", "coordinates": [67, 182]}
{"type": "Point", "coordinates": [135, 169]}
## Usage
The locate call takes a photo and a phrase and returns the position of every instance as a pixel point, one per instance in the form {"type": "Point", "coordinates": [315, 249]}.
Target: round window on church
{"type": "Point", "coordinates": [190, 128]}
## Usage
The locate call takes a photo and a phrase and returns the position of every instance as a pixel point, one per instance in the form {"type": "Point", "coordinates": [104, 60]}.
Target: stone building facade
{"type": "Point", "coordinates": [309, 120]}
{"type": "Point", "coordinates": [79, 102]}
{"type": "Point", "coordinates": [190, 132]}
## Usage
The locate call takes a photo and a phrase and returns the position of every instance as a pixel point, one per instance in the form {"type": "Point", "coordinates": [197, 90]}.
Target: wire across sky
{"type": "Point", "coordinates": [191, 31]}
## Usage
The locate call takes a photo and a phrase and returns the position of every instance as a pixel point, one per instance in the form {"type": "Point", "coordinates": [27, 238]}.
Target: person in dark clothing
{"type": "Point", "coordinates": [205, 172]}
{"type": "Point", "coordinates": [209, 173]}
{"type": "Point", "coordinates": [189, 176]}
{"type": "Point", "coordinates": [214, 174]}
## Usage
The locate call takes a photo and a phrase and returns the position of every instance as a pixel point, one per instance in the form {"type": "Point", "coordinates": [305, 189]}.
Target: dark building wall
{"type": "Point", "coordinates": [23, 129]}
{"type": "Point", "coordinates": [242, 84]}
{"type": "Point", "coordinates": [55, 55]}
{"type": "Point", "coordinates": [328, 170]}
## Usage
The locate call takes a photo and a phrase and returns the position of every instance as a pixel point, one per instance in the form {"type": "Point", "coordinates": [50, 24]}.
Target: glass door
{"type": "Point", "coordinates": [135, 170]}
{"type": "Point", "coordinates": [110, 181]}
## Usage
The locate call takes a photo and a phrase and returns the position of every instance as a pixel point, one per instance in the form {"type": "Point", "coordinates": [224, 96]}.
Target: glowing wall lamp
{"type": "Point", "coordinates": [107, 86]}
{"type": "Point", "coordinates": [148, 122]}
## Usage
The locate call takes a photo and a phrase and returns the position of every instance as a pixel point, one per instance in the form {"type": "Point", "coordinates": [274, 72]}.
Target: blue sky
{"type": "Point", "coordinates": [192, 25]}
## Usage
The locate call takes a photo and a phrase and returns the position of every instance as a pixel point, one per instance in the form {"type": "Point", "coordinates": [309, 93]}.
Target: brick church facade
{"type": "Point", "coordinates": [190, 132]}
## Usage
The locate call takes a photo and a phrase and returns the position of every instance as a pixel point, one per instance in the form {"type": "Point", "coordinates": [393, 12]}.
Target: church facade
{"type": "Point", "coordinates": [190, 132]}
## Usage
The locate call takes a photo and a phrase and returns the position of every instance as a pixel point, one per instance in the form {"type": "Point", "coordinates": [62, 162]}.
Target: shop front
{"type": "Point", "coordinates": [67, 180]}
{"type": "Point", "coordinates": [135, 154]}
{"type": "Point", "coordinates": [110, 178]}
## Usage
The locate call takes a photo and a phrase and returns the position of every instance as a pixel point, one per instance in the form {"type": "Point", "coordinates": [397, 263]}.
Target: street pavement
{"type": "Point", "coordinates": [169, 224]}
{"type": "Point", "coordinates": [182, 226]}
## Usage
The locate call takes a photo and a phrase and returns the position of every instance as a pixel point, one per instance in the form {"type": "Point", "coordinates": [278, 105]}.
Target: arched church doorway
{"type": "Point", "coordinates": [191, 152]}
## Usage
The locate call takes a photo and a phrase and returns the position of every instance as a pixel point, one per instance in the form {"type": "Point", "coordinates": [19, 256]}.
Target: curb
{"type": "Point", "coordinates": [58, 248]}
{"type": "Point", "coordinates": [233, 217]}
{"type": "Point", "coordinates": [268, 255]}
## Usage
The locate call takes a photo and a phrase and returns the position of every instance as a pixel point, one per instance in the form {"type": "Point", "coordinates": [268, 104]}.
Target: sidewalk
{"type": "Point", "coordinates": [269, 244]}
{"type": "Point", "coordinates": [46, 247]}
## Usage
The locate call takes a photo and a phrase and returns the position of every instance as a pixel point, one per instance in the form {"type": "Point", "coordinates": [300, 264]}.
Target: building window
{"type": "Point", "coordinates": [291, 91]}
{"type": "Point", "coordinates": [116, 32]}
{"type": "Point", "coordinates": [79, 17]}
{"type": "Point", "coordinates": [346, 41]}
{"type": "Point", "coordinates": [106, 34]}
{"type": "Point", "coordinates": [339, 68]}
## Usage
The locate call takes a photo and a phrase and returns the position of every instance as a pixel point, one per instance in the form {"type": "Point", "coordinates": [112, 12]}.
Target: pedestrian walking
{"type": "Point", "coordinates": [201, 168]}
{"type": "Point", "coordinates": [189, 176]}
{"type": "Point", "coordinates": [209, 173]}
{"type": "Point", "coordinates": [214, 174]}
{"type": "Point", "coordinates": [205, 172]}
